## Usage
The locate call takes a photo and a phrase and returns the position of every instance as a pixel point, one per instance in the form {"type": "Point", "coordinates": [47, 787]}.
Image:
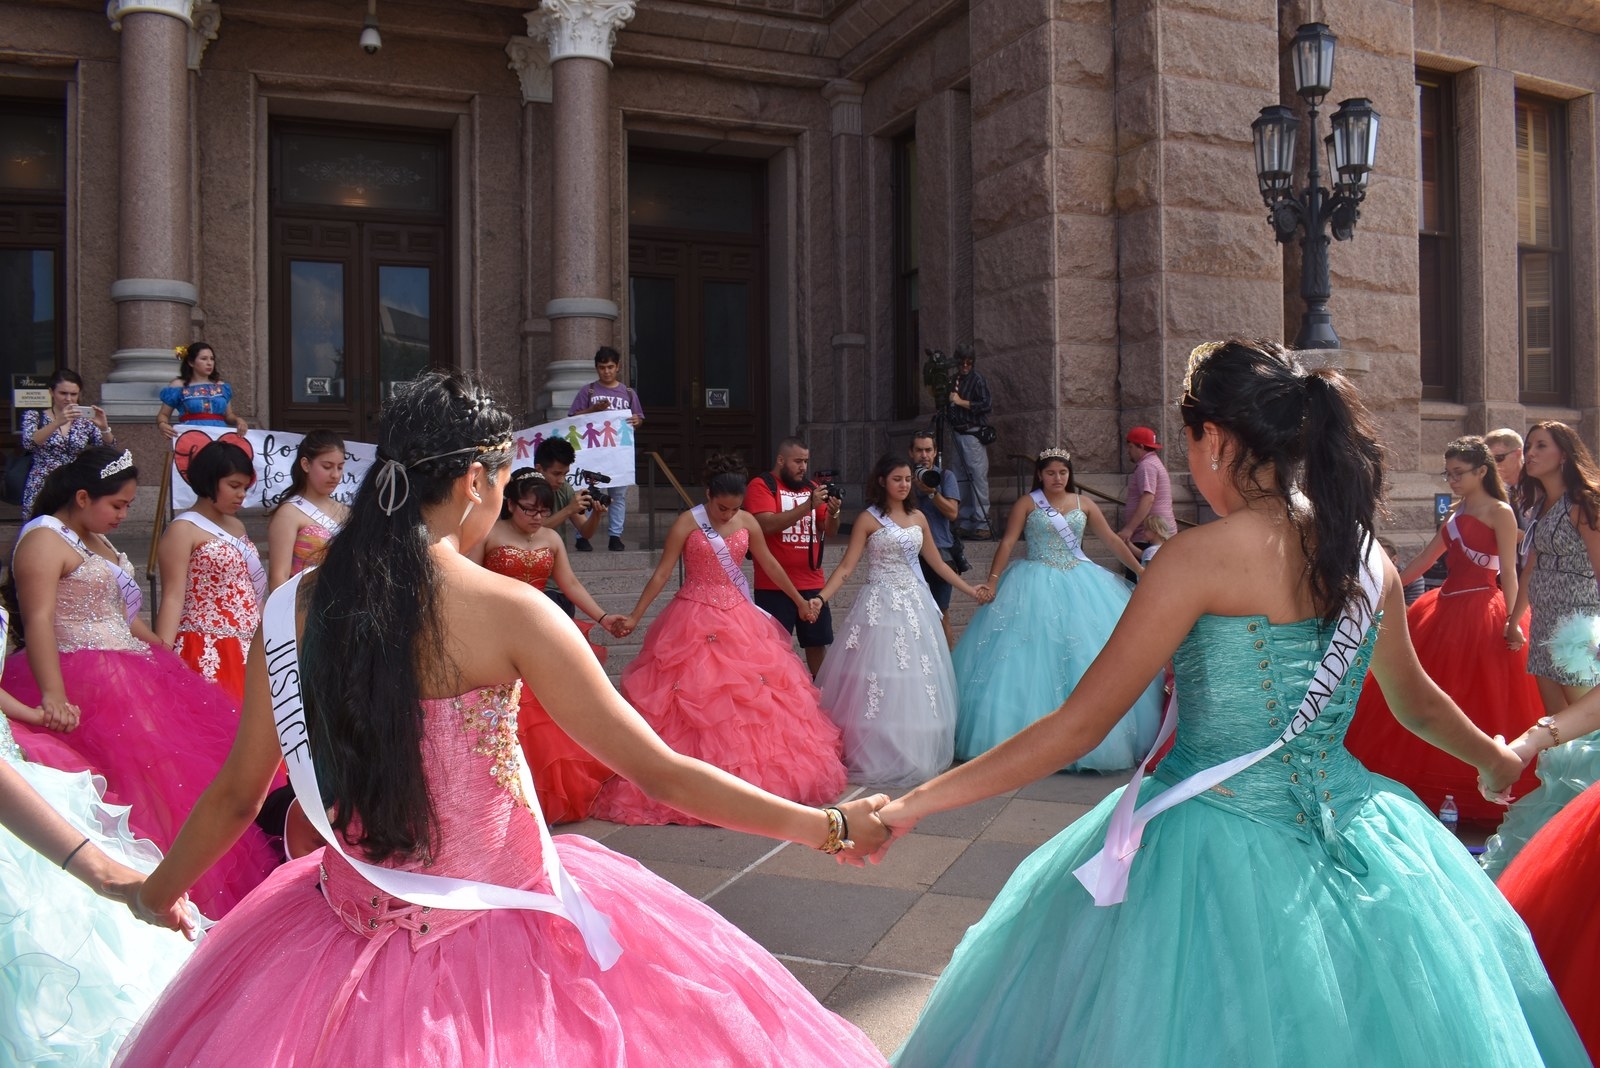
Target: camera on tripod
{"type": "Point", "coordinates": [938, 374]}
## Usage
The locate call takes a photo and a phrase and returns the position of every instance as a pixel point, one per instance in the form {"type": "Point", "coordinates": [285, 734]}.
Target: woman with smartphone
{"type": "Point", "coordinates": [56, 435]}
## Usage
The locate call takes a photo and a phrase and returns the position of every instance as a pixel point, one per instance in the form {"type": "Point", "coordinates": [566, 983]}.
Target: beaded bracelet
{"type": "Point", "coordinates": [838, 832]}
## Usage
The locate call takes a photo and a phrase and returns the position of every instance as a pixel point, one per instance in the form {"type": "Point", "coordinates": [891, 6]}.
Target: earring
{"type": "Point", "coordinates": [1213, 463]}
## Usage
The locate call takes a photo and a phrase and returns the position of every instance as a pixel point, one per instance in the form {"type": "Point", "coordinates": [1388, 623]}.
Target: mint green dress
{"type": "Point", "coordinates": [1304, 912]}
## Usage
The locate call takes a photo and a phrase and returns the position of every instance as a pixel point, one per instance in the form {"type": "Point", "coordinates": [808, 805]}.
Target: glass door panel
{"type": "Point", "coordinates": [316, 333]}
{"type": "Point", "coordinates": [405, 325]}
{"type": "Point", "coordinates": [27, 312]}
{"type": "Point", "coordinates": [725, 352]}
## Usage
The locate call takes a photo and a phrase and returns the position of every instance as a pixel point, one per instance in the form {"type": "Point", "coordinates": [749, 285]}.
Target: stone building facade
{"type": "Point", "coordinates": [773, 206]}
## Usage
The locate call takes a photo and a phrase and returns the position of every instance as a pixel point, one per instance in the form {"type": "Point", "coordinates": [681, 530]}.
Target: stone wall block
{"type": "Point", "coordinates": [1139, 242]}
{"type": "Point", "coordinates": [1212, 49]}
{"type": "Point", "coordinates": [1382, 27]}
{"type": "Point", "coordinates": [1086, 310]}
{"type": "Point", "coordinates": [1012, 73]}
{"type": "Point", "coordinates": [1386, 263]}
{"type": "Point", "coordinates": [1019, 317]}
{"type": "Point", "coordinates": [1016, 194]}
{"type": "Point", "coordinates": [1523, 43]}
{"type": "Point", "coordinates": [1139, 310]}
{"type": "Point", "coordinates": [1138, 107]}
{"type": "Point", "coordinates": [1390, 83]}
{"type": "Point", "coordinates": [952, 53]}
{"type": "Point", "coordinates": [996, 23]}
{"type": "Point", "coordinates": [1384, 323]}
{"type": "Point", "coordinates": [1088, 374]}
{"type": "Point", "coordinates": [1085, 181]}
{"type": "Point", "coordinates": [1021, 378]}
{"type": "Point", "coordinates": [1016, 132]}
{"type": "Point", "coordinates": [1209, 111]}
{"type": "Point", "coordinates": [1203, 306]}
{"type": "Point", "coordinates": [1136, 45]}
{"type": "Point", "coordinates": [1084, 118]}
{"type": "Point", "coordinates": [1138, 173]}
{"type": "Point", "coordinates": [1243, 12]}
{"type": "Point", "coordinates": [1460, 29]}
{"type": "Point", "coordinates": [1089, 12]}
{"type": "Point", "coordinates": [1007, 259]}
{"type": "Point", "coordinates": [1141, 374]}
{"type": "Point", "coordinates": [1212, 177]}
{"type": "Point", "coordinates": [1086, 245]}
{"type": "Point", "coordinates": [1219, 244]}
{"type": "Point", "coordinates": [1083, 55]}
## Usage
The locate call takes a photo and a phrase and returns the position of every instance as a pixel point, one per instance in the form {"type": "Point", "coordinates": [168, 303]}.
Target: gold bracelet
{"type": "Point", "coordinates": [837, 829]}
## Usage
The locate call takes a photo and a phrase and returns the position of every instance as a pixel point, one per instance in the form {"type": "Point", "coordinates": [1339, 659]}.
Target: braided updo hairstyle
{"type": "Point", "coordinates": [373, 614]}
{"type": "Point", "coordinates": [724, 475]}
{"type": "Point", "coordinates": [1309, 436]}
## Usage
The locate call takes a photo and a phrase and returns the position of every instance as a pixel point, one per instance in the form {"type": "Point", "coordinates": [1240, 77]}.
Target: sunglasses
{"type": "Point", "coordinates": [1500, 457]}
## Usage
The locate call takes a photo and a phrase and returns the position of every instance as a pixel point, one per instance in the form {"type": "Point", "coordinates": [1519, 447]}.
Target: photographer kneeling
{"type": "Point", "coordinates": [940, 500]}
{"type": "Point", "coordinates": [553, 459]}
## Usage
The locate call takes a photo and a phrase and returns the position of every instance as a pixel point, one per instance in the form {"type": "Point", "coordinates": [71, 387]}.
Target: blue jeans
{"type": "Point", "coordinates": [617, 510]}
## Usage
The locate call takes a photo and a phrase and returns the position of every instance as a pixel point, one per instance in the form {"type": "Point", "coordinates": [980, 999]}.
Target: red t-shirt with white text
{"type": "Point", "coordinates": [791, 547]}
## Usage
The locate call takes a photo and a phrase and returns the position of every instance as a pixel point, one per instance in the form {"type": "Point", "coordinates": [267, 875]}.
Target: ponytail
{"type": "Point", "coordinates": [1342, 477]}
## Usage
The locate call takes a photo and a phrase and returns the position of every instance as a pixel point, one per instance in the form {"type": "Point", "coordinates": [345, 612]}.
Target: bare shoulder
{"type": "Point", "coordinates": [40, 547]}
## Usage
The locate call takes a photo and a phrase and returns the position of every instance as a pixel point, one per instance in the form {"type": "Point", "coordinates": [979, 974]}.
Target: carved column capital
{"type": "Point", "coordinates": [580, 28]}
{"type": "Point", "coordinates": [207, 20]}
{"type": "Point", "coordinates": [530, 58]}
{"type": "Point", "coordinates": [117, 10]}
{"type": "Point", "coordinates": [845, 96]}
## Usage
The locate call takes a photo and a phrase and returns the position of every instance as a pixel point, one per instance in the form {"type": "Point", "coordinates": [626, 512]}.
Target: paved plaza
{"type": "Point", "coordinates": [868, 942]}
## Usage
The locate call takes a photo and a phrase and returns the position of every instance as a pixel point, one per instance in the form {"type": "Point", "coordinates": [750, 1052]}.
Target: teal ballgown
{"type": "Point", "coordinates": [1304, 912]}
{"type": "Point", "coordinates": [1025, 651]}
{"type": "Point", "coordinates": [1564, 771]}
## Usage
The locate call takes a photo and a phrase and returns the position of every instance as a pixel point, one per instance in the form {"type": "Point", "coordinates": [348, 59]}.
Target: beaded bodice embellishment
{"type": "Point", "coordinates": [704, 580]}
{"type": "Point", "coordinates": [492, 715]}
{"type": "Point", "coordinates": [533, 566]}
{"type": "Point", "coordinates": [89, 609]}
{"type": "Point", "coordinates": [886, 557]}
{"type": "Point", "coordinates": [220, 600]}
{"type": "Point", "coordinates": [1045, 546]}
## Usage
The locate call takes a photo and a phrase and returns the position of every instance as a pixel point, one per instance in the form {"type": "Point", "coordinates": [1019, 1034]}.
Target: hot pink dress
{"type": "Point", "coordinates": [340, 973]}
{"type": "Point", "coordinates": [719, 680]}
{"type": "Point", "coordinates": [155, 730]}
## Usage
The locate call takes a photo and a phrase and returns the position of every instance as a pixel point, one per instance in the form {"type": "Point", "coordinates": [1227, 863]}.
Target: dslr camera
{"type": "Point", "coordinates": [830, 487]}
{"type": "Point", "coordinates": [930, 477]}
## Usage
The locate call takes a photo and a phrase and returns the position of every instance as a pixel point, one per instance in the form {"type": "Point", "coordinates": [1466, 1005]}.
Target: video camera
{"type": "Point", "coordinates": [938, 374]}
{"type": "Point", "coordinates": [591, 479]}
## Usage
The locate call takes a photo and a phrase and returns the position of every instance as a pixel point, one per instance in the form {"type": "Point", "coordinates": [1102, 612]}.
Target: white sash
{"type": "Point", "coordinates": [567, 901]}
{"type": "Point", "coordinates": [1059, 521]}
{"type": "Point", "coordinates": [1481, 559]}
{"type": "Point", "coordinates": [909, 551]}
{"type": "Point", "coordinates": [132, 595]}
{"type": "Point", "coordinates": [252, 558]}
{"type": "Point", "coordinates": [1105, 875]}
{"type": "Point", "coordinates": [719, 545]}
{"type": "Point", "coordinates": [317, 515]}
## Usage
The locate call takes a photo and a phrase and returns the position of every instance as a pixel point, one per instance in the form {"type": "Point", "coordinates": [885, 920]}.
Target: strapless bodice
{"type": "Point", "coordinates": [484, 829]}
{"type": "Point", "coordinates": [89, 609]}
{"type": "Point", "coordinates": [1465, 573]}
{"type": "Point", "coordinates": [1240, 680]}
{"type": "Point", "coordinates": [1045, 546]}
{"type": "Point", "coordinates": [704, 579]}
{"type": "Point", "coordinates": [310, 546]}
{"type": "Point", "coordinates": [220, 598]}
{"type": "Point", "coordinates": [886, 556]}
{"type": "Point", "coordinates": [533, 566]}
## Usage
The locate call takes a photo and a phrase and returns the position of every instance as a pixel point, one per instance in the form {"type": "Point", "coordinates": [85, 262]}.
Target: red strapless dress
{"type": "Point", "coordinates": [220, 614]}
{"type": "Point", "coordinates": [565, 776]}
{"type": "Point", "coordinates": [1549, 884]}
{"type": "Point", "coordinates": [1458, 631]}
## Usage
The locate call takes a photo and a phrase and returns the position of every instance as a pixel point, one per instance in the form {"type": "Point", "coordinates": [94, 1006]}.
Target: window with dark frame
{"type": "Point", "coordinates": [33, 197]}
{"type": "Point", "coordinates": [1542, 250]}
{"type": "Point", "coordinates": [906, 252]}
{"type": "Point", "coordinates": [1438, 278]}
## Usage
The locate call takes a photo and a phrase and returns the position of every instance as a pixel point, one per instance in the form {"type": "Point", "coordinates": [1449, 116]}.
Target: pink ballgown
{"type": "Point", "coordinates": [718, 679]}
{"type": "Point", "coordinates": [155, 730]}
{"type": "Point", "coordinates": [319, 967]}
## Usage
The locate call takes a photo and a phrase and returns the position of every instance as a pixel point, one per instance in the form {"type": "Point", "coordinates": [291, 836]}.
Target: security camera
{"type": "Point", "coordinates": [371, 41]}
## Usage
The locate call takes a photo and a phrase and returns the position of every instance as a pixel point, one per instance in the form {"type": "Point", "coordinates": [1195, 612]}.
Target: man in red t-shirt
{"type": "Point", "coordinates": [789, 507]}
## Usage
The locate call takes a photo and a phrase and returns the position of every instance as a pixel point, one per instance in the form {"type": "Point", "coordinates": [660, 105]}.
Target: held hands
{"type": "Point", "coordinates": [899, 823]}
{"type": "Point", "coordinates": [58, 714]}
{"type": "Point", "coordinates": [810, 610]}
{"type": "Point", "coordinates": [1496, 777]}
{"type": "Point", "coordinates": [624, 626]}
{"type": "Point", "coordinates": [175, 917]}
{"type": "Point", "coordinates": [1513, 635]}
{"type": "Point", "coordinates": [983, 594]}
{"type": "Point", "coordinates": [868, 835]}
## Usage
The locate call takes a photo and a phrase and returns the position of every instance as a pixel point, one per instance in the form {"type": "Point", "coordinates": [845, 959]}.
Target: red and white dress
{"type": "Point", "coordinates": [221, 611]}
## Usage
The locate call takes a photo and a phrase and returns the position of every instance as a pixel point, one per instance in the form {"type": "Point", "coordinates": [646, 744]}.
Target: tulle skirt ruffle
{"type": "Point", "coordinates": [1024, 652]}
{"type": "Point", "coordinates": [157, 733]}
{"type": "Point", "coordinates": [724, 685]}
{"type": "Point", "coordinates": [507, 988]}
{"type": "Point", "coordinates": [1564, 771]}
{"type": "Point", "coordinates": [76, 970]}
{"type": "Point", "coordinates": [566, 778]}
{"type": "Point", "coordinates": [1249, 946]}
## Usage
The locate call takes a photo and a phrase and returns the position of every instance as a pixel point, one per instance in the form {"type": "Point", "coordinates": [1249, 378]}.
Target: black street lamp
{"type": "Point", "coordinates": [1350, 149]}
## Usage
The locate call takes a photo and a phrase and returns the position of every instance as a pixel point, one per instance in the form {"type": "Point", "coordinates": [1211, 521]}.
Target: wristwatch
{"type": "Point", "coordinates": [1549, 724]}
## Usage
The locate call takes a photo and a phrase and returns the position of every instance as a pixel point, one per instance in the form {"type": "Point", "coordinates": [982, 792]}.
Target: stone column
{"type": "Point", "coordinates": [580, 35]}
{"type": "Point", "coordinates": [154, 291]}
{"type": "Point", "coordinates": [850, 397]}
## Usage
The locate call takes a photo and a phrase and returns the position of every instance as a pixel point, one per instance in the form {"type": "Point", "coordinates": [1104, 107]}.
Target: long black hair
{"type": "Point", "coordinates": [1475, 450]}
{"type": "Point", "coordinates": [1042, 461]}
{"type": "Point", "coordinates": [1313, 432]}
{"type": "Point", "coordinates": [877, 490]}
{"type": "Point", "coordinates": [527, 482]}
{"type": "Point", "coordinates": [84, 473]}
{"type": "Point", "coordinates": [311, 446]}
{"type": "Point", "coordinates": [188, 353]}
{"type": "Point", "coordinates": [373, 614]}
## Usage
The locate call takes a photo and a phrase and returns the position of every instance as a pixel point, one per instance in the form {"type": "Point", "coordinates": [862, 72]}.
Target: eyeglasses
{"type": "Point", "coordinates": [1457, 476]}
{"type": "Point", "coordinates": [1500, 457]}
{"type": "Point", "coordinates": [530, 510]}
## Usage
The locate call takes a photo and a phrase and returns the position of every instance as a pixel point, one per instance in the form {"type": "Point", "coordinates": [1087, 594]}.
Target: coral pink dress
{"type": "Point", "coordinates": [221, 611]}
{"type": "Point", "coordinates": [718, 679]}
{"type": "Point", "coordinates": [1459, 634]}
{"type": "Point", "coordinates": [155, 730]}
{"type": "Point", "coordinates": [340, 973]}
{"type": "Point", "coordinates": [565, 776]}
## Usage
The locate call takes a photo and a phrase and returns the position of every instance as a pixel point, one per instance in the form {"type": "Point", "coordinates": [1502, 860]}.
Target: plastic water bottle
{"type": "Point", "coordinates": [1449, 814]}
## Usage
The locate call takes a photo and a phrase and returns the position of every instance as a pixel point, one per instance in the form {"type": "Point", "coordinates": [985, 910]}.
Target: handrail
{"type": "Point", "coordinates": [1090, 490]}
{"type": "Point", "coordinates": [651, 507]}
